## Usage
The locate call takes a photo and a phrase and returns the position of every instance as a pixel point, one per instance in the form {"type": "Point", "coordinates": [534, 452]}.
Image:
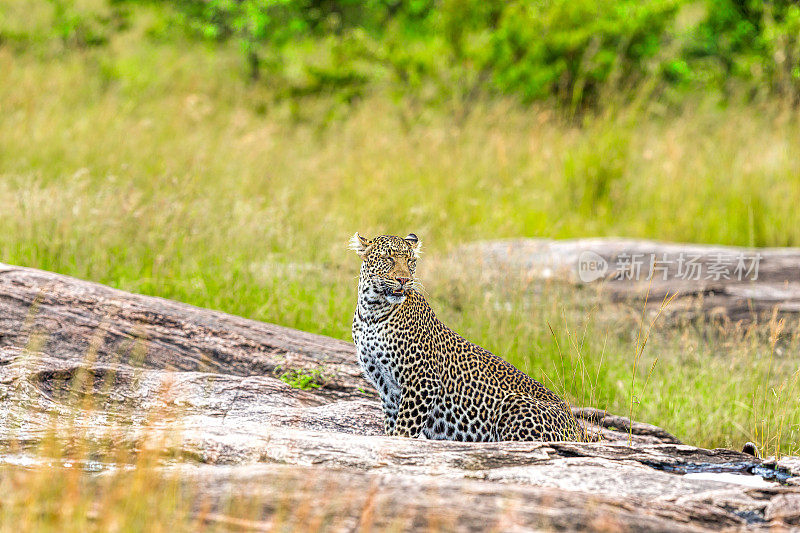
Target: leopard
{"type": "Point", "coordinates": [432, 382]}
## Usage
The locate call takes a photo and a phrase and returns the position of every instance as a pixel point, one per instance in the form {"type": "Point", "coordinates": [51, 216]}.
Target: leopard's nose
{"type": "Point", "coordinates": [403, 281]}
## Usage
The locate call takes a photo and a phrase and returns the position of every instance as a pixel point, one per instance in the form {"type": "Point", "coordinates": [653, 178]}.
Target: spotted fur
{"type": "Point", "coordinates": [433, 382]}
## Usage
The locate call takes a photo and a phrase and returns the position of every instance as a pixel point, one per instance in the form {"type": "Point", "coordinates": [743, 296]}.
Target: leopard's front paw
{"type": "Point", "coordinates": [402, 433]}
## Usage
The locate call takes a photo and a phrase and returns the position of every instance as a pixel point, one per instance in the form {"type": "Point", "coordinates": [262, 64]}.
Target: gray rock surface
{"type": "Point", "coordinates": [207, 386]}
{"type": "Point", "coordinates": [724, 281]}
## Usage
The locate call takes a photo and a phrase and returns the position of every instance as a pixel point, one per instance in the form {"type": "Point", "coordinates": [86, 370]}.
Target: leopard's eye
{"type": "Point", "coordinates": [412, 263]}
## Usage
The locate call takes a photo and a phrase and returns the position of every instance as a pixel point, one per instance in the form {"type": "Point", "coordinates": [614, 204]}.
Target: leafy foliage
{"type": "Point", "coordinates": [752, 40]}
{"type": "Point", "coordinates": [567, 50]}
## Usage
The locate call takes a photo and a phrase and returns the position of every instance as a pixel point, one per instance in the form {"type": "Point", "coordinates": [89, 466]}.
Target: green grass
{"type": "Point", "coordinates": [155, 167]}
{"type": "Point", "coordinates": [298, 378]}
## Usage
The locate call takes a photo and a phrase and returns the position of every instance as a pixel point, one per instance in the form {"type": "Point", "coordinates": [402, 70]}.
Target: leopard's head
{"type": "Point", "coordinates": [388, 265]}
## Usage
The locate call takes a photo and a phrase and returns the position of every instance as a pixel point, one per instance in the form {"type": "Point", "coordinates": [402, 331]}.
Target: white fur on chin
{"type": "Point", "coordinates": [395, 300]}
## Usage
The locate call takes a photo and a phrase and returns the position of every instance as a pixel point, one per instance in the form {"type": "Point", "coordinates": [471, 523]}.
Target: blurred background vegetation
{"type": "Point", "coordinates": [568, 51]}
{"type": "Point", "coordinates": [222, 152]}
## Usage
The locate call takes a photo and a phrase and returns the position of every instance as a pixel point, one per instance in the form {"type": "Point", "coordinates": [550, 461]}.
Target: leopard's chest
{"type": "Point", "coordinates": [380, 360]}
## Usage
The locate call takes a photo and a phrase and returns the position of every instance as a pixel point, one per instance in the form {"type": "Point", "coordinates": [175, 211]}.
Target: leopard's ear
{"type": "Point", "coordinates": [415, 243]}
{"type": "Point", "coordinates": [359, 244]}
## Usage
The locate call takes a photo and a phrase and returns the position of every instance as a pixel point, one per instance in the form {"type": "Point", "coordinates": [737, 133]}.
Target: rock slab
{"type": "Point", "coordinates": [721, 281]}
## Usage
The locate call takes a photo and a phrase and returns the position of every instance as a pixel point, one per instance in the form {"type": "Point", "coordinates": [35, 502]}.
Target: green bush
{"type": "Point", "coordinates": [566, 50]}
{"type": "Point", "coordinates": [569, 48]}
{"type": "Point", "coordinates": [750, 40]}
